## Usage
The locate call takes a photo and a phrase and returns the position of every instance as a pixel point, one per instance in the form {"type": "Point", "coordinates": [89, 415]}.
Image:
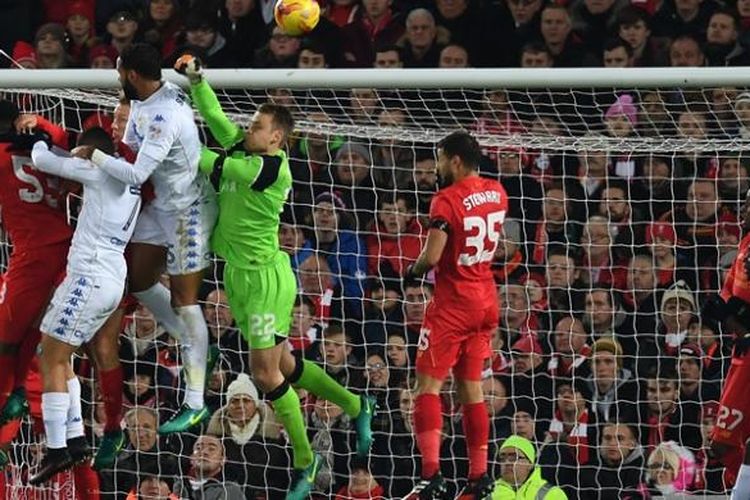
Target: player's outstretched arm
{"type": "Point", "coordinates": [226, 132]}
{"type": "Point", "coordinates": [73, 168]}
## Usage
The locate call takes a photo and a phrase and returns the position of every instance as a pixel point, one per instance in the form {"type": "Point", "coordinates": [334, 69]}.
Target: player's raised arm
{"type": "Point", "coordinates": [226, 132]}
{"type": "Point", "coordinates": [73, 168]}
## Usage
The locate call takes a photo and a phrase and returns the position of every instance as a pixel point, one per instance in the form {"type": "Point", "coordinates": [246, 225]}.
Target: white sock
{"type": "Point", "coordinates": [55, 414]}
{"type": "Point", "coordinates": [741, 490]}
{"type": "Point", "coordinates": [158, 300]}
{"type": "Point", "coordinates": [74, 424]}
{"type": "Point", "coordinates": [194, 349]}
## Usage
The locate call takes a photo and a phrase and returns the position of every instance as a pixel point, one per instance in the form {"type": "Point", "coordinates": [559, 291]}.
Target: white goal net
{"type": "Point", "coordinates": [623, 221]}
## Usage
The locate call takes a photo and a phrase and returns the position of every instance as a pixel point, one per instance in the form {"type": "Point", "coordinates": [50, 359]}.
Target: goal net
{"type": "Point", "coordinates": [624, 219]}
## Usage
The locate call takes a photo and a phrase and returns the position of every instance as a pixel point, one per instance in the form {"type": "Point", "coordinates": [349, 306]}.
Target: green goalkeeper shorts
{"type": "Point", "coordinates": [261, 300]}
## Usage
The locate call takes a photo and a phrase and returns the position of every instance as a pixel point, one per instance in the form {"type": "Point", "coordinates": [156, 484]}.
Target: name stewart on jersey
{"type": "Point", "coordinates": [477, 199]}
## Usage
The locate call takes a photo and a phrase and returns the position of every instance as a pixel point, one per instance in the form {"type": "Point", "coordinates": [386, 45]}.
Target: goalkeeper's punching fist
{"type": "Point", "coordinates": [190, 66]}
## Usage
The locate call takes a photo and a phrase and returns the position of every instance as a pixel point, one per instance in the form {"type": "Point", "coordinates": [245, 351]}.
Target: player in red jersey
{"type": "Point", "coordinates": [732, 430]}
{"type": "Point", "coordinates": [466, 218]}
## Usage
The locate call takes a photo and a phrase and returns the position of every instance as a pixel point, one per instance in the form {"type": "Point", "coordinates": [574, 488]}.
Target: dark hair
{"type": "Point", "coordinates": [392, 198]}
{"type": "Point", "coordinates": [687, 37]}
{"type": "Point", "coordinates": [630, 15]}
{"type": "Point", "coordinates": [302, 300]}
{"type": "Point", "coordinates": [463, 145]}
{"type": "Point", "coordinates": [313, 45]}
{"type": "Point", "coordinates": [535, 48]}
{"type": "Point", "coordinates": [282, 118]}
{"type": "Point", "coordinates": [665, 372]}
{"type": "Point", "coordinates": [565, 251]}
{"type": "Point", "coordinates": [616, 42]}
{"type": "Point", "coordinates": [142, 58]}
{"type": "Point", "coordinates": [729, 13]}
{"type": "Point", "coordinates": [388, 47]}
{"type": "Point", "coordinates": [97, 137]}
{"type": "Point", "coordinates": [8, 114]}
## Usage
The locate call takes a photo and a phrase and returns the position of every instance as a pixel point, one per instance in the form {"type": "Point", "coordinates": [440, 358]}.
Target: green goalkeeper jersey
{"type": "Point", "coordinates": [252, 189]}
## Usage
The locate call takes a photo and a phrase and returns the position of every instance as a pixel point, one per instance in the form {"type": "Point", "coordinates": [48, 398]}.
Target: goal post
{"type": "Point", "coordinates": [622, 184]}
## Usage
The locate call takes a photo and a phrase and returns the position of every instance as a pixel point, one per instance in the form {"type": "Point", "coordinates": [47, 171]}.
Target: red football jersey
{"type": "Point", "coordinates": [474, 209]}
{"type": "Point", "coordinates": [30, 202]}
{"type": "Point", "coordinates": [738, 282]}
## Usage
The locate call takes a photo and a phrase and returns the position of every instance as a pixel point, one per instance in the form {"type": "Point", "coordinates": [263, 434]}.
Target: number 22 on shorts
{"type": "Point", "coordinates": [263, 325]}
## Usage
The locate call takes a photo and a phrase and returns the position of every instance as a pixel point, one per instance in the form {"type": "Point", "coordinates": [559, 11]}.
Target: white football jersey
{"type": "Point", "coordinates": [163, 132]}
{"type": "Point", "coordinates": [107, 218]}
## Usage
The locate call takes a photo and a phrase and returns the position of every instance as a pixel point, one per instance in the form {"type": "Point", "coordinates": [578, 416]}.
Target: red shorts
{"type": "Point", "coordinates": [455, 339]}
{"type": "Point", "coordinates": [27, 287]}
{"type": "Point", "coordinates": [733, 420]}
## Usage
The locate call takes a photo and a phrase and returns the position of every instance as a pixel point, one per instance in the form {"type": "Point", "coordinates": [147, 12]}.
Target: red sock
{"type": "Point", "coordinates": [428, 427]}
{"type": "Point", "coordinates": [87, 483]}
{"type": "Point", "coordinates": [26, 353]}
{"type": "Point", "coordinates": [110, 383]}
{"type": "Point", "coordinates": [477, 431]}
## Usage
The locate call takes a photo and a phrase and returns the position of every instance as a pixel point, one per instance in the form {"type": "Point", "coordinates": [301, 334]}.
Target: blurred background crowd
{"type": "Point", "coordinates": [602, 357]}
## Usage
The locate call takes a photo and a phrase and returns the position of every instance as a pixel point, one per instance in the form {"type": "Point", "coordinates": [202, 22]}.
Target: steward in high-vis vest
{"type": "Point", "coordinates": [520, 478]}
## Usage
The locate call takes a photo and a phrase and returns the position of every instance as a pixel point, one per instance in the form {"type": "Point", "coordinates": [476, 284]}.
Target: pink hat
{"type": "Point", "coordinates": [624, 106]}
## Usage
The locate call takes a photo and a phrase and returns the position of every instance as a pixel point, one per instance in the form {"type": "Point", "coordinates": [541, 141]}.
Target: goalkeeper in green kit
{"type": "Point", "coordinates": [254, 181]}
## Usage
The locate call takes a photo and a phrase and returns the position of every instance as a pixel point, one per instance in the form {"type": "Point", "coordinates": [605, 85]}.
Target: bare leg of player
{"type": "Point", "coordinates": [178, 311]}
{"type": "Point", "coordinates": [741, 488]}
{"type": "Point", "coordinates": [61, 411]}
{"type": "Point", "coordinates": [104, 352]}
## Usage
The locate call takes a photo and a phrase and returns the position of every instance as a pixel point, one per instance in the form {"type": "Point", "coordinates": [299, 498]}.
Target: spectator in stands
{"type": "Point", "coordinates": [207, 477]}
{"type": "Point", "coordinates": [50, 47]}
{"type": "Point", "coordinates": [571, 428]}
{"type": "Point", "coordinates": [361, 484]}
{"type": "Point", "coordinates": [620, 121]}
{"type": "Point", "coordinates": [519, 475]}
{"type": "Point", "coordinates": [616, 471]}
{"type": "Point", "coordinates": [80, 29]}
{"type": "Point", "coordinates": [509, 260]}
{"type": "Point", "coordinates": [536, 55]}
{"type": "Point", "coordinates": [612, 389]}
{"type": "Point", "coordinates": [291, 238]}
{"type": "Point", "coordinates": [317, 284]}
{"type": "Point", "coordinates": [734, 180]}
{"type": "Point", "coordinates": [642, 301]}
{"type": "Point", "coordinates": [340, 246]}
{"type": "Point", "coordinates": [397, 238]}
{"type": "Point", "coordinates": [453, 55]}
{"type": "Point", "coordinates": [571, 351]}
{"type": "Point", "coordinates": [517, 320]}
{"type": "Point", "coordinates": [342, 12]}
{"type": "Point", "coordinates": [255, 455]}
{"type": "Point", "coordinates": [662, 418]}
{"type": "Point", "coordinates": [102, 57]}
{"type": "Point", "coordinates": [425, 180]}
{"type": "Point", "coordinates": [161, 25]}
{"type": "Point", "coordinates": [142, 452]}
{"type": "Point", "coordinates": [530, 378]}
{"type": "Point", "coordinates": [671, 469]}
{"type": "Point", "coordinates": [398, 359]}
{"type": "Point", "coordinates": [305, 329]}
{"type": "Point", "coordinates": [244, 29]}
{"type": "Point", "coordinates": [706, 333]}
{"type": "Point", "coordinates": [202, 31]}
{"type": "Point", "coordinates": [377, 24]}
{"type": "Point", "coordinates": [421, 48]}
{"type": "Point", "coordinates": [335, 354]}
{"type": "Point", "coordinates": [603, 313]}
{"type": "Point", "coordinates": [722, 46]}
{"type": "Point", "coordinates": [594, 22]}
{"type": "Point", "coordinates": [382, 309]}
{"type": "Point", "coordinates": [634, 26]}
{"type": "Point", "coordinates": [154, 485]}
{"type": "Point", "coordinates": [312, 55]}
{"type": "Point", "coordinates": [661, 240]}
{"type": "Point", "coordinates": [526, 16]}
{"type": "Point", "coordinates": [617, 53]}
{"type": "Point", "coordinates": [554, 224]}
{"type": "Point", "coordinates": [686, 51]}
{"type": "Point", "coordinates": [330, 430]}
{"type": "Point", "coordinates": [709, 476]}
{"type": "Point", "coordinates": [599, 267]}
{"type": "Point", "coordinates": [224, 335]}
{"type": "Point", "coordinates": [654, 190]}
{"type": "Point", "coordinates": [388, 57]}
{"type": "Point", "coordinates": [523, 190]}
{"type": "Point", "coordinates": [281, 51]}
{"type": "Point", "coordinates": [417, 294]}
{"type": "Point", "coordinates": [564, 286]}
{"type": "Point", "coordinates": [392, 159]}
{"type": "Point", "coordinates": [364, 106]}
{"type": "Point", "coordinates": [684, 17]}
{"type": "Point", "coordinates": [556, 28]}
{"type": "Point", "coordinates": [677, 309]}
{"type": "Point", "coordinates": [694, 387]}
{"type": "Point", "coordinates": [523, 422]}
{"type": "Point", "coordinates": [122, 27]}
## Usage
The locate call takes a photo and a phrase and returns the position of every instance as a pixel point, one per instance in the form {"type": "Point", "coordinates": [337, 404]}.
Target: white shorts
{"type": "Point", "coordinates": [186, 234]}
{"type": "Point", "coordinates": [80, 306]}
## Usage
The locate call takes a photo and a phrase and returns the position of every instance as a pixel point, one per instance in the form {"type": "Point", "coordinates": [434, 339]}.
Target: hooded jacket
{"type": "Point", "coordinates": [534, 488]}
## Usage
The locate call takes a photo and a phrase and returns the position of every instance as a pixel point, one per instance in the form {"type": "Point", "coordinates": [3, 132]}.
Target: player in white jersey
{"type": "Point", "coordinates": [91, 291]}
{"type": "Point", "coordinates": [174, 229]}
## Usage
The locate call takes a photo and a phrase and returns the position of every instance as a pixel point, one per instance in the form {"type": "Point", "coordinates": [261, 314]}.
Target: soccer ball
{"type": "Point", "coordinates": [296, 17]}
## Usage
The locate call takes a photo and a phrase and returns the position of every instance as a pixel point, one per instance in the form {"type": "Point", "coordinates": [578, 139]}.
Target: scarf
{"type": "Point", "coordinates": [578, 437]}
{"type": "Point", "coordinates": [241, 435]}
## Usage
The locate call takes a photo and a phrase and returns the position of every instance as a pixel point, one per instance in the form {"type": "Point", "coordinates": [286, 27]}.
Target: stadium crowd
{"type": "Point", "coordinates": [602, 360]}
